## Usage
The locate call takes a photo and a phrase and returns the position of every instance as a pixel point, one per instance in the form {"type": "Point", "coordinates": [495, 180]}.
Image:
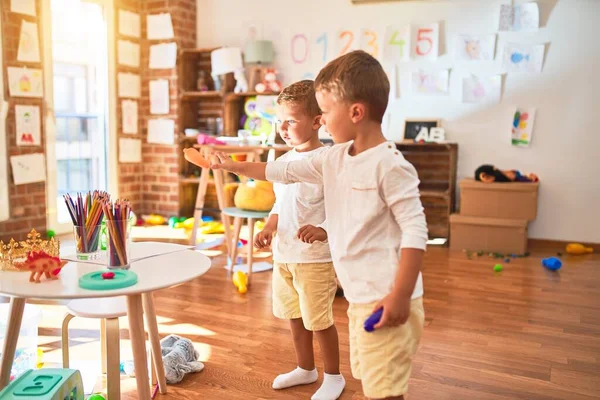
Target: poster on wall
{"type": "Point", "coordinates": [163, 56]}
{"type": "Point", "coordinates": [4, 210]}
{"type": "Point", "coordinates": [26, 7]}
{"type": "Point", "coordinates": [130, 150]}
{"type": "Point", "coordinates": [128, 53]}
{"type": "Point", "coordinates": [28, 125]}
{"type": "Point", "coordinates": [425, 41]}
{"type": "Point", "coordinates": [396, 43]}
{"type": "Point", "coordinates": [25, 82]}
{"type": "Point", "coordinates": [28, 168]}
{"type": "Point", "coordinates": [522, 17]}
{"type": "Point", "coordinates": [29, 46]}
{"type": "Point", "coordinates": [129, 113]}
{"type": "Point", "coordinates": [159, 26]}
{"type": "Point", "coordinates": [474, 47]}
{"type": "Point", "coordinates": [430, 82]}
{"type": "Point", "coordinates": [523, 58]}
{"type": "Point", "coordinates": [129, 24]}
{"type": "Point", "coordinates": [161, 131]}
{"type": "Point", "coordinates": [482, 89]}
{"type": "Point", "coordinates": [159, 96]}
{"type": "Point", "coordinates": [129, 85]}
{"type": "Point", "coordinates": [522, 126]}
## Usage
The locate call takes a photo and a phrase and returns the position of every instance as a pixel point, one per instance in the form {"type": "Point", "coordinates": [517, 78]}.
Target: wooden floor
{"type": "Point", "coordinates": [524, 333]}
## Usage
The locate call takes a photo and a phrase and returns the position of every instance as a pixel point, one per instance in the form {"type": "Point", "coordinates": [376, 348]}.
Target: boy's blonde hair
{"type": "Point", "coordinates": [301, 93]}
{"type": "Point", "coordinates": [357, 77]}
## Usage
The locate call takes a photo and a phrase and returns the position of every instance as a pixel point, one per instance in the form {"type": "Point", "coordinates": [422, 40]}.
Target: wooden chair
{"type": "Point", "coordinates": [239, 215]}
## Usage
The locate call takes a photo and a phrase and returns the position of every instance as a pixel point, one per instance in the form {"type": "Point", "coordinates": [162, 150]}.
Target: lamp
{"type": "Point", "coordinates": [227, 60]}
{"type": "Point", "coordinates": [258, 52]}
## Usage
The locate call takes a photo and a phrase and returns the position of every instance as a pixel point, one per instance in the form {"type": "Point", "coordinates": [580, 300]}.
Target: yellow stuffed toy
{"type": "Point", "coordinates": [255, 196]}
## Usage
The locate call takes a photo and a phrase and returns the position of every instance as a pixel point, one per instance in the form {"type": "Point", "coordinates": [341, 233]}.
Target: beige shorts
{"type": "Point", "coordinates": [305, 291]}
{"type": "Point", "coordinates": [382, 359]}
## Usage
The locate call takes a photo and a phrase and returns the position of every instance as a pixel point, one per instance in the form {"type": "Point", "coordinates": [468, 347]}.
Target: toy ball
{"type": "Point", "coordinates": [97, 396]}
{"type": "Point", "coordinates": [498, 268]}
{"type": "Point", "coordinates": [552, 263]}
{"type": "Point", "coordinates": [50, 233]}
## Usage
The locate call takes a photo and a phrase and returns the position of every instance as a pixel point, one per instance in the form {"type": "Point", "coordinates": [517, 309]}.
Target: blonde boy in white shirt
{"type": "Point", "coordinates": [304, 283]}
{"type": "Point", "coordinates": [375, 221]}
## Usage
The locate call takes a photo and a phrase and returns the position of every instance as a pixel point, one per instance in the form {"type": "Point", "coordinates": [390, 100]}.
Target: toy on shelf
{"type": "Point", "coordinates": [46, 384]}
{"type": "Point", "coordinates": [552, 263]}
{"type": "Point", "coordinates": [154, 219]}
{"type": "Point", "coordinates": [269, 83]}
{"type": "Point", "coordinates": [370, 323]}
{"type": "Point", "coordinates": [240, 281]}
{"type": "Point", "coordinates": [578, 249]}
{"type": "Point", "coordinates": [41, 264]}
{"type": "Point", "coordinates": [488, 174]}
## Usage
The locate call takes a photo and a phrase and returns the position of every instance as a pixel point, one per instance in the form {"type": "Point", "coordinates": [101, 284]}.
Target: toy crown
{"type": "Point", "coordinates": [17, 252]}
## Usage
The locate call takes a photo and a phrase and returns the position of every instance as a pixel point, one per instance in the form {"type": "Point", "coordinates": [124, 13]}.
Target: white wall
{"type": "Point", "coordinates": [565, 151]}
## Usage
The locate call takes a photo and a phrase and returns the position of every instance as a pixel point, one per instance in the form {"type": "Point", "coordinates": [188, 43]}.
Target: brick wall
{"type": "Point", "coordinates": [130, 175]}
{"type": "Point", "coordinates": [27, 202]}
{"type": "Point", "coordinates": [161, 162]}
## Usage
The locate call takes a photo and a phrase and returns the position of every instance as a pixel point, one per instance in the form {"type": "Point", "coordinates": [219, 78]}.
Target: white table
{"type": "Point", "coordinates": [154, 273]}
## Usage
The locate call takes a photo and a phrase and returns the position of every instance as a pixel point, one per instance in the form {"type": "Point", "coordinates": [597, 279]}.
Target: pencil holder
{"type": "Point", "coordinates": [87, 241]}
{"type": "Point", "coordinates": [118, 244]}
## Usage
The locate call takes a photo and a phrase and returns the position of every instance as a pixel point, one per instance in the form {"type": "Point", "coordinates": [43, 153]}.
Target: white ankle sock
{"type": "Point", "coordinates": [331, 389]}
{"type": "Point", "coordinates": [296, 377]}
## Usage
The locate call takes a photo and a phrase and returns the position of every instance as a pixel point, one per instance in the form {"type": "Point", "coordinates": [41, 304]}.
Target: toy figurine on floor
{"type": "Point", "coordinates": [489, 174]}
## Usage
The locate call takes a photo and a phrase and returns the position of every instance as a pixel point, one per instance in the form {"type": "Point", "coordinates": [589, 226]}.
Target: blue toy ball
{"type": "Point", "coordinates": [552, 263]}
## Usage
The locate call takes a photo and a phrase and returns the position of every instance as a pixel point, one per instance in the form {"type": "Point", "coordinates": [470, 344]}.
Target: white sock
{"type": "Point", "coordinates": [296, 377]}
{"type": "Point", "coordinates": [331, 389]}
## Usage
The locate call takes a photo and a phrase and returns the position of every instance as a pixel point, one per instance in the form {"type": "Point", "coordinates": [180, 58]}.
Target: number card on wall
{"type": "Point", "coordinates": [425, 41]}
{"type": "Point", "coordinates": [370, 42]}
{"type": "Point", "coordinates": [396, 43]}
{"type": "Point", "coordinates": [346, 40]}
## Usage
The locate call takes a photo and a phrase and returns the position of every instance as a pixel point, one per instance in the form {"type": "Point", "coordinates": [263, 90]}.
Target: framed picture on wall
{"type": "Point", "coordinates": [412, 127]}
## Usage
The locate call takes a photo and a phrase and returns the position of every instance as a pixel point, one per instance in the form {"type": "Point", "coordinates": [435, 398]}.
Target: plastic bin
{"type": "Point", "coordinates": [26, 354]}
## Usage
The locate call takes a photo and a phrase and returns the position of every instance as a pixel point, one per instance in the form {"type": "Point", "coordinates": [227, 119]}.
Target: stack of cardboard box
{"type": "Point", "coordinates": [494, 216]}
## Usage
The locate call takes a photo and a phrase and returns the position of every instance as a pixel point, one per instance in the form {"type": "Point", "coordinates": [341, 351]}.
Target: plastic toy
{"type": "Point", "coordinates": [369, 324]}
{"type": "Point", "coordinates": [552, 263]}
{"type": "Point", "coordinates": [155, 219]}
{"type": "Point", "coordinates": [108, 275]}
{"type": "Point", "coordinates": [255, 196]}
{"type": "Point", "coordinates": [240, 281]}
{"type": "Point", "coordinates": [45, 384]}
{"type": "Point", "coordinates": [95, 281]}
{"type": "Point", "coordinates": [507, 260]}
{"type": "Point", "coordinates": [41, 264]}
{"type": "Point", "coordinates": [578, 249]}
{"type": "Point", "coordinates": [97, 396]}
{"type": "Point", "coordinates": [194, 156]}
{"type": "Point", "coordinates": [50, 233]}
{"type": "Point", "coordinates": [498, 268]}
{"type": "Point", "coordinates": [270, 82]}
{"type": "Point", "coordinates": [39, 358]}
{"type": "Point", "coordinates": [212, 227]}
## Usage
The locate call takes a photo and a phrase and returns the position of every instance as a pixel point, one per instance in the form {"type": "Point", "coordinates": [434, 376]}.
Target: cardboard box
{"type": "Point", "coordinates": [515, 200]}
{"type": "Point", "coordinates": [488, 234]}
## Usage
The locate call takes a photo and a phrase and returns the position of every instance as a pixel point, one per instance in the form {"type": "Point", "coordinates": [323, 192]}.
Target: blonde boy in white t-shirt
{"type": "Point", "coordinates": [375, 221]}
{"type": "Point", "coordinates": [304, 283]}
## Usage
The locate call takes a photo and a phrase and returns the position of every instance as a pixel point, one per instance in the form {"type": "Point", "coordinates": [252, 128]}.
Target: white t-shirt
{"type": "Point", "coordinates": [373, 210]}
{"type": "Point", "coordinates": [297, 205]}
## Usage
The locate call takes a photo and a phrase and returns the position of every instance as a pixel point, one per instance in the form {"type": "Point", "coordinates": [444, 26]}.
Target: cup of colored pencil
{"type": "Point", "coordinates": [119, 230]}
{"type": "Point", "coordinates": [86, 212]}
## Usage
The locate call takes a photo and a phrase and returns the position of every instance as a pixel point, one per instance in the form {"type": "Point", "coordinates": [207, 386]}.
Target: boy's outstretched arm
{"type": "Point", "coordinates": [401, 193]}
{"type": "Point", "coordinates": [308, 170]}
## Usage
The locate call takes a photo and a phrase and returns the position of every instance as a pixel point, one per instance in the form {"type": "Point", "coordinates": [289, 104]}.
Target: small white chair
{"type": "Point", "coordinates": [108, 310]}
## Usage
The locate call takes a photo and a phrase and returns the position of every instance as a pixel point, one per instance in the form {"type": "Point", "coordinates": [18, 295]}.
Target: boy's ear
{"type": "Point", "coordinates": [357, 112]}
{"type": "Point", "coordinates": [317, 122]}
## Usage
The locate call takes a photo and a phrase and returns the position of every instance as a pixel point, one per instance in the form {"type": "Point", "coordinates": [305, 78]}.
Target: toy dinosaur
{"type": "Point", "coordinates": [41, 263]}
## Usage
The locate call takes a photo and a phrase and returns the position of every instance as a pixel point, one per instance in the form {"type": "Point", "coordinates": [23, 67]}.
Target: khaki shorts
{"type": "Point", "coordinates": [305, 291]}
{"type": "Point", "coordinates": [382, 359]}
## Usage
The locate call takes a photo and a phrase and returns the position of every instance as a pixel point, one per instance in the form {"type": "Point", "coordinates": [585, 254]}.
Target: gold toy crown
{"type": "Point", "coordinates": [16, 252]}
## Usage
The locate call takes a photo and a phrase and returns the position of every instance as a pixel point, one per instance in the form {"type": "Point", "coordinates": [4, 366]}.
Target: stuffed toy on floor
{"type": "Point", "coordinates": [179, 358]}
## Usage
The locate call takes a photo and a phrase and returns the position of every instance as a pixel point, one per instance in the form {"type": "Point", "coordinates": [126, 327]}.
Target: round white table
{"type": "Point", "coordinates": [155, 272]}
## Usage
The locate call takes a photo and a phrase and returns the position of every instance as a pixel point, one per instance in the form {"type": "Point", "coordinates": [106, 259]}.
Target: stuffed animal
{"type": "Point", "coordinates": [255, 196]}
{"type": "Point", "coordinates": [179, 358]}
{"type": "Point", "coordinates": [269, 83]}
{"type": "Point", "coordinates": [489, 174]}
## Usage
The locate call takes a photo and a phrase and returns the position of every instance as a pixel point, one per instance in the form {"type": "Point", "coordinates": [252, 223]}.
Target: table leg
{"type": "Point", "coordinates": [219, 184]}
{"type": "Point", "coordinates": [150, 314]}
{"type": "Point", "coordinates": [15, 316]}
{"type": "Point", "coordinates": [138, 345]}
{"type": "Point", "coordinates": [113, 359]}
{"type": "Point", "coordinates": [237, 227]}
{"type": "Point", "coordinates": [200, 197]}
{"type": "Point", "coordinates": [251, 222]}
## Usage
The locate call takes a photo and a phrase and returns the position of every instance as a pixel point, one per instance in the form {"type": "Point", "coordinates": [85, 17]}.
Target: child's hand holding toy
{"type": "Point", "coordinates": [393, 309]}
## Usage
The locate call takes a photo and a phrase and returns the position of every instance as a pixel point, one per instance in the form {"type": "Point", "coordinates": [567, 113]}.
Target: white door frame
{"type": "Point", "coordinates": [4, 206]}
{"type": "Point", "coordinates": [50, 125]}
